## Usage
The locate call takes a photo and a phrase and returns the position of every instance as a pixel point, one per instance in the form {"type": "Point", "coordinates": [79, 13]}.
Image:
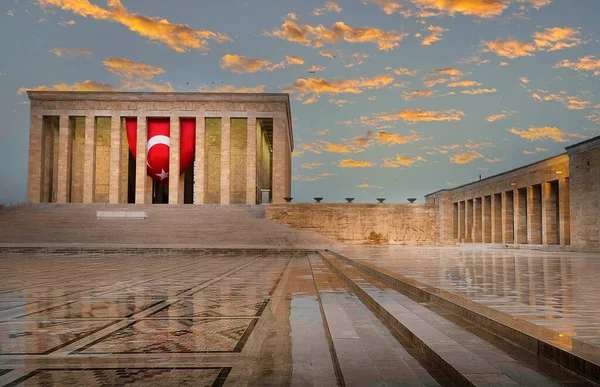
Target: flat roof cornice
{"type": "Point", "coordinates": [156, 96]}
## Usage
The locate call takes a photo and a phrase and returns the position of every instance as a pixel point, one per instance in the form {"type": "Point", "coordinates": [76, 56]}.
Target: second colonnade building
{"type": "Point", "coordinates": [237, 147]}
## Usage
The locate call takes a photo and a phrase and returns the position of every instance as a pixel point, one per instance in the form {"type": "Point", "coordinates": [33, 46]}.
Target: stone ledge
{"type": "Point", "coordinates": [121, 214]}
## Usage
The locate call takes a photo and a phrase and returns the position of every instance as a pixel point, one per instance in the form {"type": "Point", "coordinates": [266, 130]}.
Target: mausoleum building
{"type": "Point", "coordinates": [122, 147]}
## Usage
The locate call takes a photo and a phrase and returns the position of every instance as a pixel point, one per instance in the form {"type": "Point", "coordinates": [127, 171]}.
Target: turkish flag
{"type": "Point", "coordinates": [158, 145]}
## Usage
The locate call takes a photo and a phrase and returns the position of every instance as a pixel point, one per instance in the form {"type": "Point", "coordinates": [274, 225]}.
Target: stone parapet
{"type": "Point", "coordinates": [409, 224]}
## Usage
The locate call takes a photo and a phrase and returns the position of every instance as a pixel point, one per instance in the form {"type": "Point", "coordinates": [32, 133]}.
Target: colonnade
{"type": "Point", "coordinates": [51, 162]}
{"type": "Point", "coordinates": [534, 214]}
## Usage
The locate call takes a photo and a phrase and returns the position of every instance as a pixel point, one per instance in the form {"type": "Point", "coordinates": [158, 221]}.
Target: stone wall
{"type": "Point", "coordinates": [584, 163]}
{"type": "Point", "coordinates": [410, 224]}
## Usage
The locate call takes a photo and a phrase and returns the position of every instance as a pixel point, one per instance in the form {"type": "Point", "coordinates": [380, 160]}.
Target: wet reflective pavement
{"type": "Point", "coordinates": [169, 319]}
{"type": "Point", "coordinates": [185, 318]}
{"type": "Point", "coordinates": [559, 291]}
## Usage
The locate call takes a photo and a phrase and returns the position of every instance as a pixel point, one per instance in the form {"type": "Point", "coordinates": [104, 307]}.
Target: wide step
{"type": "Point", "coordinates": [465, 358]}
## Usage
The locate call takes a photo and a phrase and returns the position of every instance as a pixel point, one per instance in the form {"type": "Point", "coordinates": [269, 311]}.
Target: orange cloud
{"type": "Point", "coordinates": [321, 146]}
{"type": "Point", "coordinates": [367, 185]}
{"type": "Point", "coordinates": [587, 63]}
{"type": "Point", "coordinates": [550, 39]}
{"type": "Point", "coordinates": [414, 94]}
{"type": "Point", "coordinates": [293, 60]}
{"type": "Point", "coordinates": [329, 6]}
{"type": "Point", "coordinates": [464, 84]}
{"type": "Point", "coordinates": [436, 35]}
{"type": "Point", "coordinates": [241, 65]}
{"type": "Point", "coordinates": [180, 37]}
{"type": "Point", "coordinates": [465, 158]}
{"type": "Point", "coordinates": [474, 60]}
{"type": "Point", "coordinates": [233, 89]}
{"type": "Point", "coordinates": [571, 102]}
{"type": "Point", "coordinates": [412, 116]}
{"type": "Point", "coordinates": [478, 145]}
{"type": "Point", "coordinates": [446, 71]}
{"type": "Point", "coordinates": [65, 52]}
{"type": "Point", "coordinates": [535, 3]}
{"type": "Point", "coordinates": [478, 8]}
{"type": "Point", "coordinates": [387, 6]}
{"type": "Point", "coordinates": [349, 163]}
{"type": "Point", "coordinates": [385, 138]}
{"type": "Point", "coordinates": [509, 48]}
{"type": "Point", "coordinates": [318, 35]}
{"type": "Point", "coordinates": [556, 38]}
{"type": "Point", "coordinates": [136, 75]}
{"type": "Point", "coordinates": [478, 91]}
{"type": "Point", "coordinates": [401, 161]}
{"type": "Point", "coordinates": [310, 165]}
{"type": "Point", "coordinates": [320, 176]}
{"type": "Point", "coordinates": [536, 150]}
{"type": "Point", "coordinates": [501, 116]}
{"type": "Point", "coordinates": [77, 86]}
{"type": "Point", "coordinates": [316, 68]}
{"type": "Point", "coordinates": [405, 71]}
{"type": "Point", "coordinates": [540, 133]}
{"type": "Point", "coordinates": [340, 102]}
{"type": "Point", "coordinates": [316, 86]}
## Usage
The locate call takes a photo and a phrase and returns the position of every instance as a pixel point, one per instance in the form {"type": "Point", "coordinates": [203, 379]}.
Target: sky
{"type": "Point", "coordinates": [390, 98]}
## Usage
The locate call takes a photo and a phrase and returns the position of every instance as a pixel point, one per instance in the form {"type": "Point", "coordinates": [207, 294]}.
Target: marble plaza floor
{"type": "Point", "coordinates": [268, 318]}
{"type": "Point", "coordinates": [178, 319]}
{"type": "Point", "coordinates": [559, 291]}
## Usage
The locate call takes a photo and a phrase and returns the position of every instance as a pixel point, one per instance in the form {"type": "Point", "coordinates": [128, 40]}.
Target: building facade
{"type": "Point", "coordinates": [552, 202]}
{"type": "Point", "coordinates": [94, 147]}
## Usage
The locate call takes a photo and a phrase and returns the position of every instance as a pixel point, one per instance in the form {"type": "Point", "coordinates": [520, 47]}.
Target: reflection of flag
{"type": "Point", "coordinates": [158, 145]}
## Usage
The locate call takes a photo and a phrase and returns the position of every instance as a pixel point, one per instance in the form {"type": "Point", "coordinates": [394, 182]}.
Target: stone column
{"type": "Point", "coordinates": [34, 181]}
{"type": "Point", "coordinates": [486, 219]}
{"type": "Point", "coordinates": [508, 217]}
{"type": "Point", "coordinates": [445, 217]}
{"type": "Point", "coordinates": [496, 218]}
{"type": "Point", "coordinates": [477, 217]}
{"type": "Point", "coordinates": [461, 221]}
{"type": "Point", "coordinates": [534, 215]}
{"type": "Point", "coordinates": [114, 183]}
{"type": "Point", "coordinates": [225, 159]}
{"type": "Point", "coordinates": [564, 211]}
{"type": "Point", "coordinates": [174, 147]}
{"type": "Point", "coordinates": [64, 160]}
{"type": "Point", "coordinates": [469, 221]}
{"type": "Point", "coordinates": [141, 176]}
{"type": "Point", "coordinates": [550, 213]}
{"type": "Point", "coordinates": [251, 160]}
{"type": "Point", "coordinates": [199, 183]}
{"type": "Point", "coordinates": [89, 159]}
{"type": "Point", "coordinates": [520, 216]}
{"type": "Point", "coordinates": [279, 154]}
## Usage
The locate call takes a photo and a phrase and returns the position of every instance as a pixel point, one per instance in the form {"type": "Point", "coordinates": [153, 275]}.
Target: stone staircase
{"type": "Point", "coordinates": [207, 226]}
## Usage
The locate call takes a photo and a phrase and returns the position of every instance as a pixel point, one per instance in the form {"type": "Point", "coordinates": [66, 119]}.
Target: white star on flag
{"type": "Point", "coordinates": [163, 175]}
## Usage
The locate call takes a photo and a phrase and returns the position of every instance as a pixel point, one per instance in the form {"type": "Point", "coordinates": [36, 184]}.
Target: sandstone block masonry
{"type": "Point", "coordinates": [78, 149]}
{"type": "Point", "coordinates": [404, 224]}
{"type": "Point", "coordinates": [553, 202]}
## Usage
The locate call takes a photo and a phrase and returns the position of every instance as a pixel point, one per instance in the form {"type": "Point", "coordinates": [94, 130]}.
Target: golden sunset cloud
{"type": "Point", "coordinates": [412, 116]}
{"type": "Point", "coordinates": [401, 161]}
{"type": "Point", "coordinates": [367, 185]}
{"type": "Point", "coordinates": [556, 38]}
{"type": "Point", "coordinates": [465, 158]}
{"type": "Point", "coordinates": [436, 35]}
{"type": "Point", "coordinates": [320, 176]}
{"type": "Point", "coordinates": [318, 35]}
{"type": "Point", "coordinates": [387, 6]}
{"type": "Point", "coordinates": [180, 37]}
{"type": "Point", "coordinates": [136, 75]}
{"type": "Point", "coordinates": [509, 48]}
{"type": "Point", "coordinates": [545, 132]}
{"type": "Point", "coordinates": [65, 52]}
{"type": "Point", "coordinates": [536, 150]}
{"type": "Point", "coordinates": [349, 163]}
{"type": "Point", "coordinates": [478, 8]}
{"type": "Point", "coordinates": [414, 94]}
{"type": "Point", "coordinates": [233, 89]}
{"type": "Point", "coordinates": [571, 102]}
{"type": "Point", "coordinates": [293, 60]}
{"type": "Point", "coordinates": [587, 63]}
{"type": "Point", "coordinates": [310, 165]}
{"type": "Point", "coordinates": [316, 86]}
{"type": "Point", "coordinates": [315, 68]}
{"type": "Point", "coordinates": [241, 65]}
{"type": "Point", "coordinates": [479, 91]}
{"type": "Point", "coordinates": [463, 84]}
{"type": "Point", "coordinates": [329, 6]}
{"type": "Point", "coordinates": [501, 116]}
{"type": "Point", "coordinates": [77, 86]}
{"type": "Point", "coordinates": [404, 71]}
